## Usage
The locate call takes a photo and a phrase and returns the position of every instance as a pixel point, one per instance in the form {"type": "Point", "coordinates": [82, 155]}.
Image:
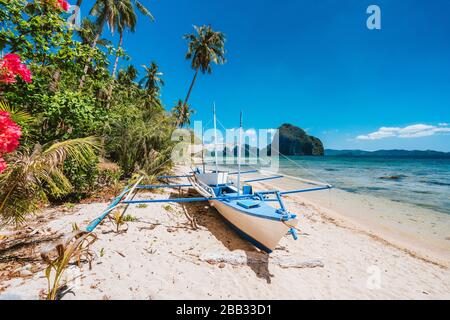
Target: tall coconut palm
{"type": "Point", "coordinates": [205, 47]}
{"type": "Point", "coordinates": [87, 33]}
{"type": "Point", "coordinates": [182, 113]}
{"type": "Point", "coordinates": [127, 76]}
{"type": "Point", "coordinates": [105, 11]}
{"type": "Point", "coordinates": [152, 81]}
{"type": "Point", "coordinates": [110, 12]}
{"type": "Point", "coordinates": [127, 19]}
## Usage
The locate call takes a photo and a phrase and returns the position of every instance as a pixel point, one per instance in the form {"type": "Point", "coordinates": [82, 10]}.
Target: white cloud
{"type": "Point", "coordinates": [412, 131]}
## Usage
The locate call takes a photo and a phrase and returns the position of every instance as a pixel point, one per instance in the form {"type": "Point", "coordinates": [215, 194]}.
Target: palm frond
{"type": "Point", "coordinates": [32, 175]}
{"type": "Point", "coordinates": [144, 10]}
{"type": "Point", "coordinates": [19, 116]}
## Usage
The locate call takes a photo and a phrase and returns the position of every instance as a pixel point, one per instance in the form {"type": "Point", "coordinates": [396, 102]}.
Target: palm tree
{"type": "Point", "coordinates": [152, 81]}
{"type": "Point", "coordinates": [105, 12]}
{"type": "Point", "coordinates": [127, 76]}
{"type": "Point", "coordinates": [88, 31]}
{"type": "Point", "coordinates": [118, 14]}
{"type": "Point", "coordinates": [32, 175]}
{"type": "Point", "coordinates": [204, 47]}
{"type": "Point", "coordinates": [182, 113]}
{"type": "Point", "coordinates": [126, 19]}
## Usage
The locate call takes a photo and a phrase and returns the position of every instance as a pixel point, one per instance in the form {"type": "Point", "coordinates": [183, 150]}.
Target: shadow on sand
{"type": "Point", "coordinates": [209, 218]}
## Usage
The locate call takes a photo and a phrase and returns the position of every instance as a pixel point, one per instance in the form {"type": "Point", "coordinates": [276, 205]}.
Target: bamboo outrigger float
{"type": "Point", "coordinates": [248, 212]}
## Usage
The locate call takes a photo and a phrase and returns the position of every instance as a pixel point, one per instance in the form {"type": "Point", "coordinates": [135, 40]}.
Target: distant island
{"type": "Point", "coordinates": [387, 153]}
{"type": "Point", "coordinates": [294, 141]}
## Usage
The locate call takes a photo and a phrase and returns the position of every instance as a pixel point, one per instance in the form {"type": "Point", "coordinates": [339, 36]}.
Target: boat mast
{"type": "Point", "coordinates": [215, 137]}
{"type": "Point", "coordinates": [203, 152]}
{"type": "Point", "coordinates": [239, 156]}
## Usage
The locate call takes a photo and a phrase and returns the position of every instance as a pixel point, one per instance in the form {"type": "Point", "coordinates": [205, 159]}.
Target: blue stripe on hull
{"type": "Point", "coordinates": [245, 236]}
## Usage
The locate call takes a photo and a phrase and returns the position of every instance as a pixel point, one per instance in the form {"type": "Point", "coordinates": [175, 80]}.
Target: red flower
{"type": "Point", "coordinates": [10, 133]}
{"type": "Point", "coordinates": [10, 66]}
{"type": "Point", "coordinates": [64, 5]}
{"type": "Point", "coordinates": [58, 4]}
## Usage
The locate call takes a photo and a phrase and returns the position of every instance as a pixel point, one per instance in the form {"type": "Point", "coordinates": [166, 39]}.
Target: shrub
{"type": "Point", "coordinates": [109, 174]}
{"type": "Point", "coordinates": [69, 115]}
{"type": "Point", "coordinates": [82, 176]}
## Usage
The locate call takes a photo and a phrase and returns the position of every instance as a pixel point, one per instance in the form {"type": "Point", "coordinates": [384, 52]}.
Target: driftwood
{"type": "Point", "coordinates": [245, 258]}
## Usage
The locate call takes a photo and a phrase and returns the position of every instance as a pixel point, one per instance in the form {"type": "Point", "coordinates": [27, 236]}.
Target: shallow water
{"type": "Point", "coordinates": [422, 182]}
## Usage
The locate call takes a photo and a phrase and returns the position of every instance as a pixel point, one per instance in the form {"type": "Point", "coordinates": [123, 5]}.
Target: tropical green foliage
{"type": "Point", "coordinates": [34, 175]}
{"type": "Point", "coordinates": [150, 132]}
{"type": "Point", "coordinates": [69, 114]}
{"type": "Point", "coordinates": [78, 92]}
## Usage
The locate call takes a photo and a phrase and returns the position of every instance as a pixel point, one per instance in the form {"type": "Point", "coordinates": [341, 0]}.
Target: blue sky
{"type": "Point", "coordinates": [314, 64]}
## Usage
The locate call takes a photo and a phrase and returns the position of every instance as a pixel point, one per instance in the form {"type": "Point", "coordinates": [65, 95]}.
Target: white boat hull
{"type": "Point", "coordinates": [265, 232]}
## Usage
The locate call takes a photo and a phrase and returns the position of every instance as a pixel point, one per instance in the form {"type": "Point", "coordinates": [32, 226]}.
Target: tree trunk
{"type": "Point", "coordinates": [183, 110]}
{"type": "Point", "coordinates": [94, 44]}
{"type": "Point", "coordinates": [54, 84]}
{"type": "Point", "coordinates": [116, 63]}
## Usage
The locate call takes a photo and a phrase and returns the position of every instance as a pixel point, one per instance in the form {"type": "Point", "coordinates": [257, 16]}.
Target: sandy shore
{"type": "Point", "coordinates": [161, 256]}
{"type": "Point", "coordinates": [421, 231]}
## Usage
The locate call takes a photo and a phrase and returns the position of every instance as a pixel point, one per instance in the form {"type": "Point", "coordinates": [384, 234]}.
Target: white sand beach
{"type": "Point", "coordinates": [160, 256]}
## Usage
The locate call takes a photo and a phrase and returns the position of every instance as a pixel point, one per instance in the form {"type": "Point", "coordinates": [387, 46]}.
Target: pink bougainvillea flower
{"type": "Point", "coordinates": [24, 73]}
{"type": "Point", "coordinates": [64, 5]}
{"type": "Point", "coordinates": [58, 4]}
{"type": "Point", "coordinates": [10, 133]}
{"type": "Point", "coordinates": [12, 58]}
{"type": "Point", "coordinates": [10, 66]}
{"type": "Point", "coordinates": [6, 76]}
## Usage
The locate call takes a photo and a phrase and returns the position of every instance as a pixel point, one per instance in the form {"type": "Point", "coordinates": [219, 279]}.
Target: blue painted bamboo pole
{"type": "Point", "coordinates": [110, 207]}
{"type": "Point", "coordinates": [171, 177]}
{"type": "Point", "coordinates": [242, 172]}
{"type": "Point", "coordinates": [262, 179]}
{"type": "Point", "coordinates": [294, 191]}
{"type": "Point", "coordinates": [155, 186]}
{"type": "Point", "coordinates": [194, 199]}
{"type": "Point", "coordinates": [305, 190]}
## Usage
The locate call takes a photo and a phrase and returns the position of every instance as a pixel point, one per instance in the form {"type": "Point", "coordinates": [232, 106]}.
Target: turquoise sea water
{"type": "Point", "coordinates": [422, 182]}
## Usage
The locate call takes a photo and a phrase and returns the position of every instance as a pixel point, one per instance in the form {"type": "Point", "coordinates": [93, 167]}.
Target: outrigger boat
{"type": "Point", "coordinates": [247, 212]}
